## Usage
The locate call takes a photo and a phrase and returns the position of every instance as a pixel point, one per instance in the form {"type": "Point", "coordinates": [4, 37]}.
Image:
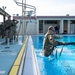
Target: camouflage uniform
{"type": "Point", "coordinates": [49, 45]}
{"type": "Point", "coordinates": [14, 27]}
{"type": "Point", "coordinates": [1, 30]}
{"type": "Point", "coordinates": [8, 30]}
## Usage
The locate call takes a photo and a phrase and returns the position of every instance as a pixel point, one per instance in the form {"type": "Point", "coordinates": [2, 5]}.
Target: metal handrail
{"type": "Point", "coordinates": [26, 5]}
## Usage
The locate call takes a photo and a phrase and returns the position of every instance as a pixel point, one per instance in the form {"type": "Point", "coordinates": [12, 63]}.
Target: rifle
{"type": "Point", "coordinates": [70, 43]}
{"type": "Point", "coordinates": [8, 27]}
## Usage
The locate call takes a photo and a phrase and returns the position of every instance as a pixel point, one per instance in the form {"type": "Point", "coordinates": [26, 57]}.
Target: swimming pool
{"type": "Point", "coordinates": [63, 65]}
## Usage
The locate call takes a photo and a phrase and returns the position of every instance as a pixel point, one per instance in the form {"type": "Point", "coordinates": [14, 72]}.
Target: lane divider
{"type": "Point", "coordinates": [16, 65]}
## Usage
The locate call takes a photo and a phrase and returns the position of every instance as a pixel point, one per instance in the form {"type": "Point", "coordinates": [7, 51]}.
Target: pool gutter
{"type": "Point", "coordinates": [29, 64]}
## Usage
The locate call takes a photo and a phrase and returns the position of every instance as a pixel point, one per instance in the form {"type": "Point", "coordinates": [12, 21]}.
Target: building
{"type": "Point", "coordinates": [40, 24]}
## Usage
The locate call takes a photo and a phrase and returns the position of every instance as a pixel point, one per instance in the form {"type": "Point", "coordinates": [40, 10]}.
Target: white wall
{"type": "Point", "coordinates": [31, 28]}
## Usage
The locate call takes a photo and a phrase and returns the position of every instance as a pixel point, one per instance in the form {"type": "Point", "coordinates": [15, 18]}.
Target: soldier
{"type": "Point", "coordinates": [50, 43]}
{"type": "Point", "coordinates": [56, 29]}
{"type": "Point", "coordinates": [1, 30]}
{"type": "Point", "coordinates": [8, 29]}
{"type": "Point", "coordinates": [14, 27]}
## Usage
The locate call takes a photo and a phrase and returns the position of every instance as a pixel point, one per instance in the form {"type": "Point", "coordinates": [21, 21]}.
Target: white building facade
{"type": "Point", "coordinates": [39, 24]}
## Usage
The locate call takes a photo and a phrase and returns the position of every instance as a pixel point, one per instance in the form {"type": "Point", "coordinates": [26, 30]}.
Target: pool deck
{"type": "Point", "coordinates": [12, 57]}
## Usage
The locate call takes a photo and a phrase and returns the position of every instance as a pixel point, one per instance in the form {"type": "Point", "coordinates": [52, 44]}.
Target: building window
{"type": "Point", "coordinates": [72, 21]}
{"type": "Point", "coordinates": [65, 21]}
{"type": "Point", "coordinates": [41, 26]}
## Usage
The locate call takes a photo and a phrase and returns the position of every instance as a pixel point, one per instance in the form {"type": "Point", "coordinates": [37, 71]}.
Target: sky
{"type": "Point", "coordinates": [43, 7]}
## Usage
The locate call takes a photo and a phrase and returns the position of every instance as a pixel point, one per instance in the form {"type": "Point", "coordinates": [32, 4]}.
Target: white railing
{"type": "Point", "coordinates": [24, 12]}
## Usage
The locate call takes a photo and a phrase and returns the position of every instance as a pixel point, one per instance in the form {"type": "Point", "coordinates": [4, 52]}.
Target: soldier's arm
{"type": "Point", "coordinates": [65, 43]}
{"type": "Point", "coordinates": [15, 21]}
{"type": "Point", "coordinates": [60, 43]}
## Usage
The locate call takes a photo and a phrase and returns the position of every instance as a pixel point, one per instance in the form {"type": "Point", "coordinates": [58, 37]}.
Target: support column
{"type": "Point", "coordinates": [61, 27]}
{"type": "Point", "coordinates": [37, 27]}
{"type": "Point", "coordinates": [44, 27]}
{"type": "Point", "coordinates": [68, 26]}
{"type": "Point", "coordinates": [23, 15]}
{"type": "Point", "coordinates": [4, 19]}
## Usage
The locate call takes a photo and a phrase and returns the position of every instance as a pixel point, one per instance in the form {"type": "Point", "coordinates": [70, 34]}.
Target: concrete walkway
{"type": "Point", "coordinates": [10, 57]}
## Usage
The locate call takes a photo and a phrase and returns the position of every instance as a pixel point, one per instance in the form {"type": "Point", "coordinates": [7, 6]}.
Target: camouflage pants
{"type": "Point", "coordinates": [9, 34]}
{"type": "Point", "coordinates": [47, 51]}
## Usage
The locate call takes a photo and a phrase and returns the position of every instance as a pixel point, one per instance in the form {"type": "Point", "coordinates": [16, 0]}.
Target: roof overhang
{"type": "Point", "coordinates": [2, 12]}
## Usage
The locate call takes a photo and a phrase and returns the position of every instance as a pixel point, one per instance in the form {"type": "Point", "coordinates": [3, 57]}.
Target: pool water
{"type": "Point", "coordinates": [63, 65]}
